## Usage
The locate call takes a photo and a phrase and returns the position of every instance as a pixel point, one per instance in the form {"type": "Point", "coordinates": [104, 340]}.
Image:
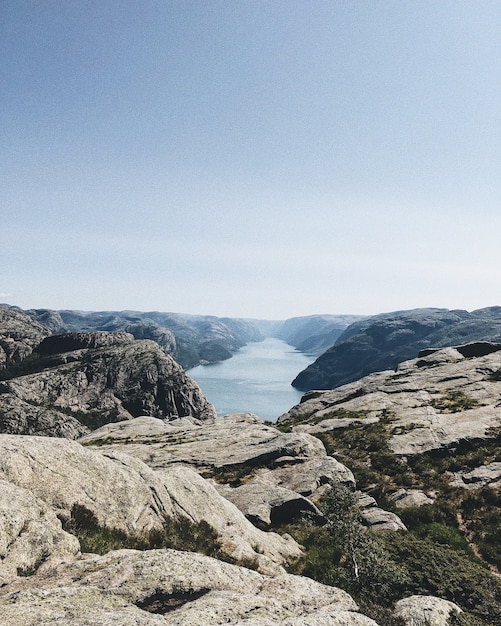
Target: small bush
{"type": "Point", "coordinates": [176, 534]}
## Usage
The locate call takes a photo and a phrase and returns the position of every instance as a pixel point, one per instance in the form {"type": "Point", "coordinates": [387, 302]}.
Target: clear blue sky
{"type": "Point", "coordinates": [255, 158]}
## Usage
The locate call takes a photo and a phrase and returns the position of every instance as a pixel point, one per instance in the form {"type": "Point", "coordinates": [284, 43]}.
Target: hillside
{"type": "Point", "coordinates": [381, 342]}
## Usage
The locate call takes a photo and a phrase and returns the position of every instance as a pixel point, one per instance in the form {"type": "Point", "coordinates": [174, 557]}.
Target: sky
{"type": "Point", "coordinates": [250, 158]}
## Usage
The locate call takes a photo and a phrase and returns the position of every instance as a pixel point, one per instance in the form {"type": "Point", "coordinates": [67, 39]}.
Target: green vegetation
{"type": "Point", "coordinates": [233, 475]}
{"type": "Point", "coordinates": [380, 568]}
{"type": "Point", "coordinates": [176, 534]}
{"type": "Point", "coordinates": [454, 402]}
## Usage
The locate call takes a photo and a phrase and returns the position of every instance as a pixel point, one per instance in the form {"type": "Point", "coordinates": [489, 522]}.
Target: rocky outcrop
{"type": "Point", "coordinates": [234, 450]}
{"type": "Point", "coordinates": [434, 402]}
{"type": "Point", "coordinates": [425, 611]}
{"type": "Point", "coordinates": [79, 381]}
{"type": "Point", "coordinates": [381, 342]}
{"type": "Point", "coordinates": [377, 518]}
{"type": "Point", "coordinates": [61, 478]}
{"type": "Point", "coordinates": [19, 334]}
{"type": "Point", "coordinates": [167, 588]}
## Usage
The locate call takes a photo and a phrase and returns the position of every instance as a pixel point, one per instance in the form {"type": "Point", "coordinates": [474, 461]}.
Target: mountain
{"type": "Point", "coordinates": [19, 334]}
{"type": "Point", "coordinates": [189, 339]}
{"type": "Point", "coordinates": [381, 342]}
{"type": "Point", "coordinates": [75, 382]}
{"type": "Point", "coordinates": [314, 334]}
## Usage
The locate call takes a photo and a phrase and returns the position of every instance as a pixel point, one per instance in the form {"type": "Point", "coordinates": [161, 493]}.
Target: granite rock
{"type": "Point", "coordinates": [165, 587]}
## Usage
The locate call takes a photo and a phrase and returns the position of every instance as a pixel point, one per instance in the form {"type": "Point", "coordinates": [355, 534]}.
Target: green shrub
{"type": "Point", "coordinates": [176, 534]}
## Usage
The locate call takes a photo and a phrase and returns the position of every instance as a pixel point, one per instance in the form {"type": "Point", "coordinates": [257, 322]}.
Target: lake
{"type": "Point", "coordinates": [257, 379]}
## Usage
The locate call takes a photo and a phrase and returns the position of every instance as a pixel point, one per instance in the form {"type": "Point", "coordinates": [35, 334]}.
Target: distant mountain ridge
{"type": "Point", "coordinates": [381, 342]}
{"type": "Point", "coordinates": [195, 339]}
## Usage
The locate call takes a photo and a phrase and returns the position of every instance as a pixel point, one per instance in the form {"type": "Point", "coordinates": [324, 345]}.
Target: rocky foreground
{"type": "Point", "coordinates": [116, 474]}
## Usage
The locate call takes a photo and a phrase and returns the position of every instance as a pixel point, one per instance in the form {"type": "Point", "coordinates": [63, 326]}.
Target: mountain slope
{"type": "Point", "coordinates": [381, 342]}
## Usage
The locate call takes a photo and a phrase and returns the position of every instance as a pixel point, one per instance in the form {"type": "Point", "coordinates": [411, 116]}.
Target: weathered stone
{"type": "Point", "coordinates": [30, 533]}
{"type": "Point", "coordinates": [425, 611]}
{"type": "Point", "coordinates": [486, 475]}
{"type": "Point", "coordinates": [196, 499]}
{"type": "Point", "coordinates": [405, 498]}
{"type": "Point", "coordinates": [120, 491]}
{"type": "Point", "coordinates": [99, 377]}
{"type": "Point", "coordinates": [121, 588]}
{"type": "Point", "coordinates": [265, 504]}
{"type": "Point", "coordinates": [123, 493]}
{"type": "Point", "coordinates": [376, 518]}
{"type": "Point", "coordinates": [412, 398]}
{"type": "Point", "coordinates": [232, 449]}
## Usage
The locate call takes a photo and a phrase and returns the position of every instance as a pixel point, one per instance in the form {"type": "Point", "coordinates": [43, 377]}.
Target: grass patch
{"type": "Point", "coordinates": [175, 534]}
{"type": "Point", "coordinates": [454, 402]}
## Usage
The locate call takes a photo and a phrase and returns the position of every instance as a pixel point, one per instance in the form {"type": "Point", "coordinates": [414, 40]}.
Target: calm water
{"type": "Point", "coordinates": [257, 379]}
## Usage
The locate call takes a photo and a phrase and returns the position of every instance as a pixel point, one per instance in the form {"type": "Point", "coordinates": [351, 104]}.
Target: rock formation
{"type": "Point", "coordinates": [19, 334]}
{"type": "Point", "coordinates": [381, 342]}
{"type": "Point", "coordinates": [238, 451]}
{"type": "Point", "coordinates": [169, 588]}
{"type": "Point", "coordinates": [57, 479]}
{"type": "Point", "coordinates": [435, 401]}
{"type": "Point", "coordinates": [79, 381]}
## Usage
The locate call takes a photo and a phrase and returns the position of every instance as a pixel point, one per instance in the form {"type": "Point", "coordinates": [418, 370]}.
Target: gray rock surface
{"type": "Point", "coordinates": [405, 498]}
{"type": "Point", "coordinates": [233, 449]}
{"type": "Point", "coordinates": [119, 490]}
{"type": "Point", "coordinates": [425, 611]}
{"type": "Point", "coordinates": [198, 500]}
{"type": "Point", "coordinates": [123, 493]}
{"type": "Point", "coordinates": [92, 378]}
{"type": "Point", "coordinates": [484, 476]}
{"type": "Point", "coordinates": [19, 334]}
{"type": "Point", "coordinates": [421, 398]}
{"type": "Point", "coordinates": [30, 533]}
{"type": "Point", "coordinates": [376, 518]}
{"type": "Point", "coordinates": [123, 587]}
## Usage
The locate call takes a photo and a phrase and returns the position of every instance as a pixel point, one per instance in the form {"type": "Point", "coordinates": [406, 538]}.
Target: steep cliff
{"type": "Point", "coordinates": [381, 342]}
{"type": "Point", "coordinates": [76, 382]}
{"type": "Point", "coordinates": [19, 334]}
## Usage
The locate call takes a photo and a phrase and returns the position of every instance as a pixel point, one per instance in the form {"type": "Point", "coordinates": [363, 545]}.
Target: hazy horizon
{"type": "Point", "coordinates": [250, 159]}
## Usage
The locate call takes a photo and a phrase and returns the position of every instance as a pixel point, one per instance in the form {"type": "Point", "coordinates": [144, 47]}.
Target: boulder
{"type": "Point", "coordinates": [425, 611]}
{"type": "Point", "coordinates": [376, 518]}
{"type": "Point", "coordinates": [405, 498]}
{"type": "Point", "coordinates": [165, 587]}
{"type": "Point", "coordinates": [30, 533]}
{"type": "Point", "coordinates": [265, 504]}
